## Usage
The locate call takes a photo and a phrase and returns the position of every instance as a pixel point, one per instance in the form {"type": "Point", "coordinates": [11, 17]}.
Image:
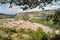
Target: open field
{"type": "Point", "coordinates": [29, 26]}
{"type": "Point", "coordinates": [38, 17]}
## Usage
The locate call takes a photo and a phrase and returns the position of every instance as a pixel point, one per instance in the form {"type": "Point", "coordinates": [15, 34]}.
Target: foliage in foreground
{"type": "Point", "coordinates": [22, 34]}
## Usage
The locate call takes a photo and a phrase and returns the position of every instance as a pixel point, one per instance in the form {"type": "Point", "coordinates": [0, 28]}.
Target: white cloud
{"type": "Point", "coordinates": [5, 8]}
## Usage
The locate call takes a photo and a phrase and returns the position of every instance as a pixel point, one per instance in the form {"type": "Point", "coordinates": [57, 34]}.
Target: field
{"type": "Point", "coordinates": [21, 34]}
{"type": "Point", "coordinates": [20, 27]}
{"type": "Point", "coordinates": [38, 17]}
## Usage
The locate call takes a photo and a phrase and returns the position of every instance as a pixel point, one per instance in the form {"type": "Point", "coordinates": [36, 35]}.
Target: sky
{"type": "Point", "coordinates": [4, 8]}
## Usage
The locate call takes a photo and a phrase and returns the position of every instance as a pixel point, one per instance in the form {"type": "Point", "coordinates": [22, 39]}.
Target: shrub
{"type": "Point", "coordinates": [37, 35]}
{"type": "Point", "coordinates": [44, 37]}
{"type": "Point", "coordinates": [33, 35]}
{"type": "Point", "coordinates": [25, 17]}
{"type": "Point", "coordinates": [57, 37]}
{"type": "Point", "coordinates": [56, 19]}
{"type": "Point", "coordinates": [49, 17]}
{"type": "Point", "coordinates": [8, 30]}
{"type": "Point", "coordinates": [5, 38]}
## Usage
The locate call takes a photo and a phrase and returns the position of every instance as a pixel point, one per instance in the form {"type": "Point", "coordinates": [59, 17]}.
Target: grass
{"type": "Point", "coordinates": [20, 34]}
{"type": "Point", "coordinates": [1, 21]}
{"type": "Point", "coordinates": [44, 22]}
{"type": "Point", "coordinates": [38, 19]}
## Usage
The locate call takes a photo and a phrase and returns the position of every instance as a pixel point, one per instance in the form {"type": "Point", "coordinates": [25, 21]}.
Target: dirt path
{"type": "Point", "coordinates": [26, 25]}
{"type": "Point", "coordinates": [45, 28]}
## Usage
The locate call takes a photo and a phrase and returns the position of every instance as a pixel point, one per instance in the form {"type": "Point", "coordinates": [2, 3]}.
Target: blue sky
{"type": "Point", "coordinates": [5, 8]}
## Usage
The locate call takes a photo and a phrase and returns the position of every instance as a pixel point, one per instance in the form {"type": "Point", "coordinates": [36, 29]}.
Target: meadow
{"type": "Point", "coordinates": [39, 17]}
{"type": "Point", "coordinates": [7, 33]}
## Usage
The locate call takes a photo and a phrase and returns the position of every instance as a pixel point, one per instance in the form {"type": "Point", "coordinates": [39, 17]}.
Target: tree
{"type": "Point", "coordinates": [44, 37]}
{"type": "Point", "coordinates": [56, 19]}
{"type": "Point", "coordinates": [30, 3]}
{"type": "Point", "coordinates": [57, 37]}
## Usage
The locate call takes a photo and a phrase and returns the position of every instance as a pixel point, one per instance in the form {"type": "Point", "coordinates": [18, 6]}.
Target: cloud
{"type": "Point", "coordinates": [15, 9]}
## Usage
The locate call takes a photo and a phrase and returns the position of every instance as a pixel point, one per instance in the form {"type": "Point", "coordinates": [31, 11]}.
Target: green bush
{"type": "Point", "coordinates": [8, 30]}
{"type": "Point", "coordinates": [57, 37]}
{"type": "Point", "coordinates": [49, 17]}
{"type": "Point", "coordinates": [25, 17]}
{"type": "Point", "coordinates": [56, 19]}
{"type": "Point", "coordinates": [1, 21]}
{"type": "Point", "coordinates": [36, 35]}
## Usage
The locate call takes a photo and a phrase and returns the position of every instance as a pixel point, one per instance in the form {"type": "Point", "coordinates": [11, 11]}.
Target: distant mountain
{"type": "Point", "coordinates": [2, 15]}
